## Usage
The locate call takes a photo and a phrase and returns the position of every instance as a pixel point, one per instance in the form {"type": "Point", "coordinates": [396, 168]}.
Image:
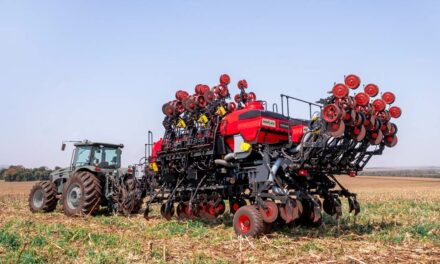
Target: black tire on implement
{"type": "Point", "coordinates": [82, 194]}
{"type": "Point", "coordinates": [43, 197]}
{"type": "Point", "coordinates": [248, 221]}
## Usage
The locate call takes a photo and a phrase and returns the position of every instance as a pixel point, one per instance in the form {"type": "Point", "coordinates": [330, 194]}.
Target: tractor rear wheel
{"type": "Point", "coordinates": [248, 221]}
{"type": "Point", "coordinates": [82, 194]}
{"type": "Point", "coordinates": [43, 197]}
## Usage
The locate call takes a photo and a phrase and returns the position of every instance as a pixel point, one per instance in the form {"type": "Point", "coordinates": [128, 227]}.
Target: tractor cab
{"type": "Point", "coordinates": [101, 155]}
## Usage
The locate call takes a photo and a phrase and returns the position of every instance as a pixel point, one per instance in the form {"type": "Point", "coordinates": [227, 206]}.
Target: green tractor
{"type": "Point", "coordinates": [94, 179]}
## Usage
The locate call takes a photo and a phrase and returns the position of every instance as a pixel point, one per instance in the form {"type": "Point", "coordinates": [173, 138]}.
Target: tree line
{"type": "Point", "coordinates": [20, 173]}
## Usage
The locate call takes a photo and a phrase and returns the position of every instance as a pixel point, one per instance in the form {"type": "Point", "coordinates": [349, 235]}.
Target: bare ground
{"type": "Point", "coordinates": [399, 223]}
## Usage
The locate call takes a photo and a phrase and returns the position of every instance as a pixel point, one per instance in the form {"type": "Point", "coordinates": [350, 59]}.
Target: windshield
{"type": "Point", "coordinates": [107, 157]}
{"type": "Point", "coordinates": [82, 156]}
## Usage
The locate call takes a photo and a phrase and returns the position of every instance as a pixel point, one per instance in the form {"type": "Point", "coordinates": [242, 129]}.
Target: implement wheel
{"type": "Point", "coordinates": [81, 194]}
{"type": "Point", "coordinates": [43, 197]}
{"type": "Point", "coordinates": [248, 221]}
{"type": "Point", "coordinates": [235, 204]}
{"type": "Point", "coordinates": [270, 213]}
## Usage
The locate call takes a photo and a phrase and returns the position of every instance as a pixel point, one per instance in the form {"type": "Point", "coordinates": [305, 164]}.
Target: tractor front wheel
{"type": "Point", "coordinates": [248, 221]}
{"type": "Point", "coordinates": [43, 197]}
{"type": "Point", "coordinates": [82, 194]}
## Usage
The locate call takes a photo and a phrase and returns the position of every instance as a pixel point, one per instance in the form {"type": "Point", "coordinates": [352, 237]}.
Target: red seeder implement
{"type": "Point", "coordinates": [269, 166]}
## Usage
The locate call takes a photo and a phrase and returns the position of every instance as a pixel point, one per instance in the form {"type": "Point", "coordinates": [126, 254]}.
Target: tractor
{"type": "Point", "coordinates": [93, 179]}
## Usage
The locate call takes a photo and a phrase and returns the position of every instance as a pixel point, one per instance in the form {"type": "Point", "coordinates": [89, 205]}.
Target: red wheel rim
{"type": "Point", "coordinates": [212, 210]}
{"type": "Point", "coordinates": [352, 81]}
{"type": "Point", "coordinates": [379, 105]}
{"type": "Point", "coordinates": [362, 99]}
{"type": "Point", "coordinates": [242, 84]}
{"type": "Point", "coordinates": [244, 223]}
{"type": "Point", "coordinates": [388, 97]}
{"type": "Point", "coordinates": [331, 113]}
{"type": "Point", "coordinates": [220, 207]}
{"type": "Point", "coordinates": [340, 90]}
{"type": "Point", "coordinates": [395, 112]}
{"type": "Point", "coordinates": [235, 207]}
{"type": "Point", "coordinates": [371, 89]}
{"type": "Point", "coordinates": [225, 79]}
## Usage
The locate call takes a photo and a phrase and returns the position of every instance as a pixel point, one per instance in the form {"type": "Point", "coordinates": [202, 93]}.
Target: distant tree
{"type": "Point", "coordinates": [20, 173]}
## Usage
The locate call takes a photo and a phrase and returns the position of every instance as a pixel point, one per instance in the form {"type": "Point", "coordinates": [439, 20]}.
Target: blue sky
{"type": "Point", "coordinates": [102, 69]}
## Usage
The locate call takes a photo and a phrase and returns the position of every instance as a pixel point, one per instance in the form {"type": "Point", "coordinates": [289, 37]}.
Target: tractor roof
{"type": "Point", "coordinates": [95, 144]}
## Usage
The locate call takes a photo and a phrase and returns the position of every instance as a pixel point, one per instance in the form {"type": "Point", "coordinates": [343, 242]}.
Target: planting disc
{"type": "Point", "coordinates": [340, 90]}
{"type": "Point", "coordinates": [379, 105]}
{"type": "Point", "coordinates": [345, 102]}
{"type": "Point", "coordinates": [359, 133]}
{"type": "Point", "coordinates": [179, 107]}
{"type": "Point", "coordinates": [360, 119]}
{"type": "Point", "coordinates": [290, 211]}
{"type": "Point", "coordinates": [362, 99]}
{"type": "Point", "coordinates": [376, 137]}
{"type": "Point", "coordinates": [167, 211]}
{"type": "Point", "coordinates": [168, 110]}
{"type": "Point", "coordinates": [180, 95]}
{"type": "Point", "coordinates": [222, 90]}
{"type": "Point", "coordinates": [336, 129]}
{"type": "Point", "coordinates": [391, 129]}
{"type": "Point", "coordinates": [237, 98]}
{"type": "Point", "coordinates": [225, 79]}
{"type": "Point", "coordinates": [371, 89]}
{"type": "Point", "coordinates": [331, 113]}
{"type": "Point", "coordinates": [270, 213]}
{"type": "Point", "coordinates": [252, 97]}
{"type": "Point", "coordinates": [395, 111]}
{"type": "Point", "coordinates": [201, 101]}
{"type": "Point", "coordinates": [350, 116]}
{"type": "Point", "coordinates": [189, 104]}
{"type": "Point", "coordinates": [232, 106]}
{"type": "Point", "coordinates": [352, 81]}
{"type": "Point", "coordinates": [370, 122]}
{"type": "Point", "coordinates": [201, 89]}
{"type": "Point", "coordinates": [386, 128]}
{"type": "Point", "coordinates": [209, 96]}
{"type": "Point", "coordinates": [391, 141]}
{"type": "Point", "coordinates": [384, 116]}
{"type": "Point", "coordinates": [388, 97]}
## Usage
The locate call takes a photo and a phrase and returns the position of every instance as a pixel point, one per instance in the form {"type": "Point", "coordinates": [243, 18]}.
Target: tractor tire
{"type": "Point", "coordinates": [248, 221]}
{"type": "Point", "coordinates": [82, 194]}
{"type": "Point", "coordinates": [43, 197]}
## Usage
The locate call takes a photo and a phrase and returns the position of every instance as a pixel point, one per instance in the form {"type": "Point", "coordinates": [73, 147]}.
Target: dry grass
{"type": "Point", "coordinates": [399, 222]}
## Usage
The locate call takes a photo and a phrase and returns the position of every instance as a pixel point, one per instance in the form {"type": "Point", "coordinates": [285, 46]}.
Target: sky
{"type": "Point", "coordinates": [101, 70]}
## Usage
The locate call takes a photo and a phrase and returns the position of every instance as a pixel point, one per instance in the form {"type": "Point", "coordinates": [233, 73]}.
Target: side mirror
{"type": "Point", "coordinates": [63, 146]}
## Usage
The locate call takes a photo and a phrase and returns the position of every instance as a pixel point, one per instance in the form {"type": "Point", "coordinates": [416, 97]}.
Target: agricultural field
{"type": "Point", "coordinates": [399, 223]}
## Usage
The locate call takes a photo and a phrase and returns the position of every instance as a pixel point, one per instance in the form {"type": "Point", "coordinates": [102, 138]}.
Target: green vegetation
{"type": "Point", "coordinates": [20, 173]}
{"type": "Point", "coordinates": [390, 227]}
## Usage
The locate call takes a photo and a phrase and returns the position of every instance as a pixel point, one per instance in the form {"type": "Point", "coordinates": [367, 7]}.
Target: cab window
{"type": "Point", "coordinates": [82, 156]}
{"type": "Point", "coordinates": [106, 157]}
